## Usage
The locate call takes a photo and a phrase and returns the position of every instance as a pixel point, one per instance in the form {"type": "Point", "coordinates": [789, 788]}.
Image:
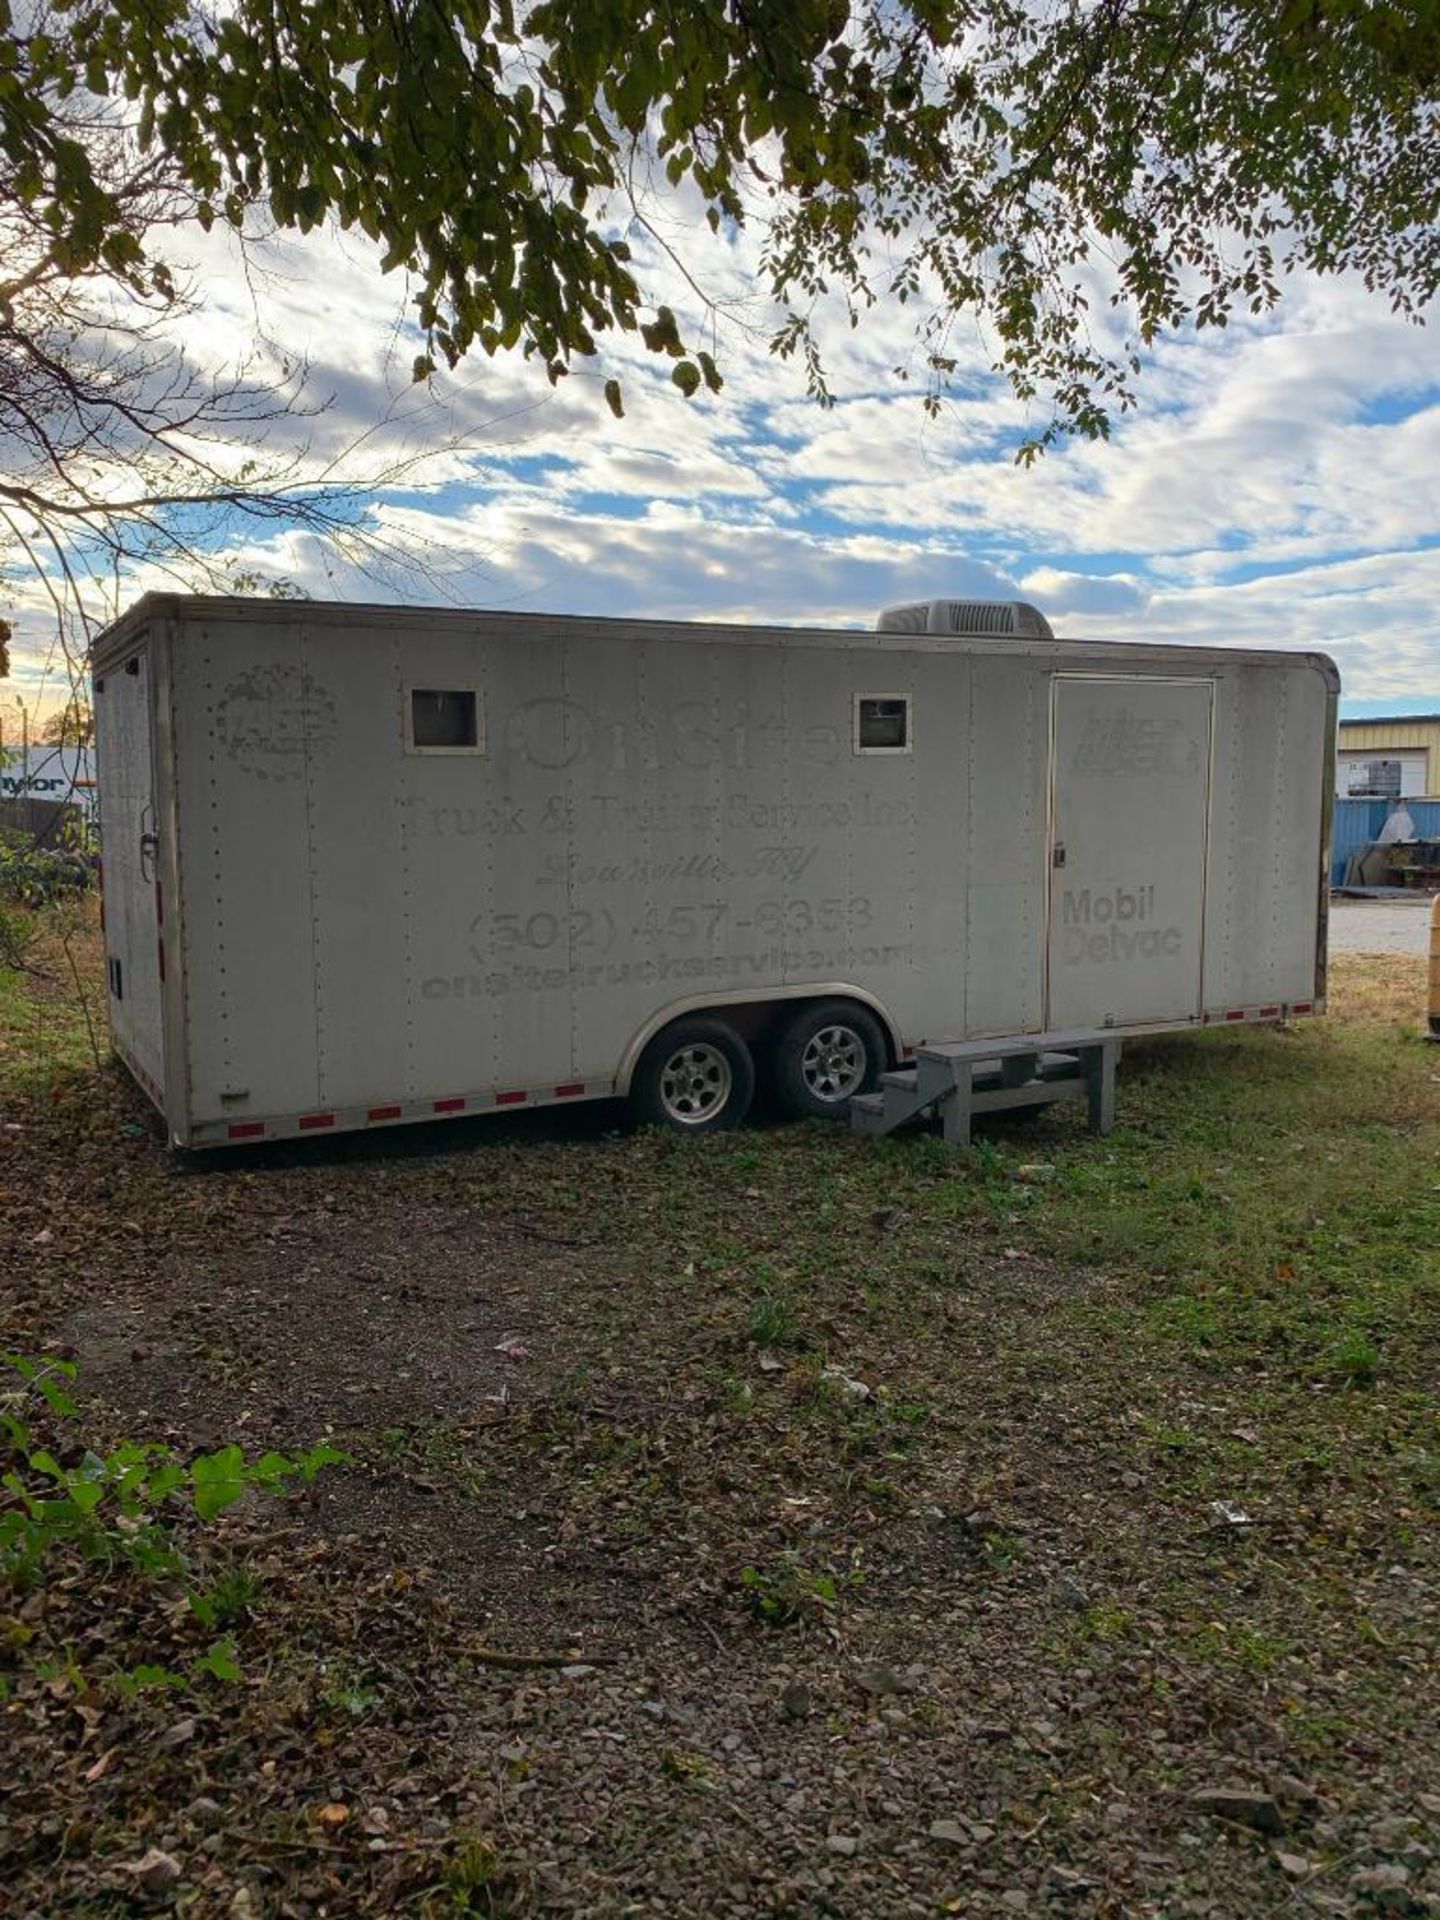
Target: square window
{"type": "Point", "coordinates": [444, 720]}
{"type": "Point", "coordinates": [882, 723]}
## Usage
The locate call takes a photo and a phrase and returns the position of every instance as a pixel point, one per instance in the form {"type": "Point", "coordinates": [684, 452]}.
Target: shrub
{"type": "Point", "coordinates": [36, 876]}
{"type": "Point", "coordinates": [119, 1504]}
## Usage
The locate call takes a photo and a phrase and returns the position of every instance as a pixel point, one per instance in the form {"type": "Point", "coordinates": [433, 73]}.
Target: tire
{"type": "Point", "coordinates": [825, 1056]}
{"type": "Point", "coordinates": [696, 1076]}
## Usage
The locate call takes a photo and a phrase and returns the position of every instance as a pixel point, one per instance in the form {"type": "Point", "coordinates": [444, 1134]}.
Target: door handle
{"type": "Point", "coordinates": [1057, 857]}
{"type": "Point", "coordinates": [149, 846]}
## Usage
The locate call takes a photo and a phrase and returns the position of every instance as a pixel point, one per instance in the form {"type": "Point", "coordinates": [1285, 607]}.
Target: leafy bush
{"type": "Point", "coordinates": [36, 876]}
{"type": "Point", "coordinates": [120, 1504]}
{"type": "Point", "coordinates": [18, 934]}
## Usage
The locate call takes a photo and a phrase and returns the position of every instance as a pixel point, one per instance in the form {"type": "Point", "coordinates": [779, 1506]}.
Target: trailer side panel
{"type": "Point", "coordinates": [134, 899]}
{"type": "Point", "coordinates": [249, 726]}
{"type": "Point", "coordinates": [1265, 884]}
{"type": "Point", "coordinates": [1130, 813]}
{"type": "Point", "coordinates": [432, 862]}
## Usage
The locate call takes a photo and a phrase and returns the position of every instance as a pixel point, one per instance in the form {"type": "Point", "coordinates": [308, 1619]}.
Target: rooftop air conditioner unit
{"type": "Point", "coordinates": [996, 619]}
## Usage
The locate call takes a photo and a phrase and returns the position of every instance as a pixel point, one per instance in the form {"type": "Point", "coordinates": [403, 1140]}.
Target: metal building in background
{"type": "Point", "coordinates": [1395, 759]}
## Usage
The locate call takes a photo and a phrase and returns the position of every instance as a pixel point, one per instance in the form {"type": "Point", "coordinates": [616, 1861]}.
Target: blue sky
{"type": "Point", "coordinates": [1276, 486]}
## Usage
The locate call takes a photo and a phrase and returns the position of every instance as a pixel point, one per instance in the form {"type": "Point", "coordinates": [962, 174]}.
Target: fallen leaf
{"type": "Point", "coordinates": [838, 1377]}
{"type": "Point", "coordinates": [1225, 1513]}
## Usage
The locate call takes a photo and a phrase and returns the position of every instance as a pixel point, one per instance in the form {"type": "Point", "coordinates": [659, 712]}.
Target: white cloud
{"type": "Point", "coordinates": [1276, 487]}
{"type": "Point", "coordinates": [1070, 597]}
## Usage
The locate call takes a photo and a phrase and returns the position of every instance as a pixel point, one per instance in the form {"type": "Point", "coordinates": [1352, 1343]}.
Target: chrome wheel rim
{"type": "Point", "coordinates": [834, 1063]}
{"type": "Point", "coordinates": [695, 1085]}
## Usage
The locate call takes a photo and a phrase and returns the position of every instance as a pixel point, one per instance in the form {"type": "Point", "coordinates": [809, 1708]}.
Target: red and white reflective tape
{"type": "Point", "coordinates": [1276, 1011]}
{"type": "Point", "coordinates": [346, 1119]}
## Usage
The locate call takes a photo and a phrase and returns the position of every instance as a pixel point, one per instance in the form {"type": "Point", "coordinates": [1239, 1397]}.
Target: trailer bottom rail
{"type": "Point", "coordinates": [962, 1079]}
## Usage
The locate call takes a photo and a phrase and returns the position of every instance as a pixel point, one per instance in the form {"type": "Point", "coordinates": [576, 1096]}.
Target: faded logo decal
{"type": "Point", "coordinates": [1116, 923]}
{"type": "Point", "coordinates": [269, 718]}
{"type": "Point", "coordinates": [1125, 742]}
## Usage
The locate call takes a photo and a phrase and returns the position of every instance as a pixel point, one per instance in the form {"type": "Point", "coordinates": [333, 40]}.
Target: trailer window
{"type": "Point", "coordinates": [444, 720]}
{"type": "Point", "coordinates": [882, 723]}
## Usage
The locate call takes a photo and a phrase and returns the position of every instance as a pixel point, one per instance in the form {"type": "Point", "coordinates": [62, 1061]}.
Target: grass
{"type": "Point", "coordinates": [1284, 1219]}
{"type": "Point", "coordinates": [1159, 1422]}
{"type": "Point", "coordinates": [1266, 1195]}
{"type": "Point", "coordinates": [1233, 1298]}
{"type": "Point", "coordinates": [52, 1008]}
{"type": "Point", "coordinates": [1265, 1209]}
{"type": "Point", "coordinates": [772, 1322]}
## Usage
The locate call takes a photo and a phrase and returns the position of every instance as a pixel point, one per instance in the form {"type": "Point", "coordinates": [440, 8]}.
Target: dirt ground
{"type": "Point", "coordinates": [774, 1525]}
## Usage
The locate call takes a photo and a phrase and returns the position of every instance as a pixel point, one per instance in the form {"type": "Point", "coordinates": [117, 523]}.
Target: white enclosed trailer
{"type": "Point", "coordinates": [366, 865]}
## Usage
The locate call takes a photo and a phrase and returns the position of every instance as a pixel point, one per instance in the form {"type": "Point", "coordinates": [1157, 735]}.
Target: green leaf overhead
{"type": "Point", "coordinates": [968, 157]}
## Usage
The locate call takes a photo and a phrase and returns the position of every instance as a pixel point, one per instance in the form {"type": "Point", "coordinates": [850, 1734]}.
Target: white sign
{"type": "Point", "coordinates": [63, 774]}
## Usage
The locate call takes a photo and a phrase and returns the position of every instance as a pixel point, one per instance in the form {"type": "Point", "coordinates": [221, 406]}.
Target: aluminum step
{"type": "Point", "coordinates": [899, 1099]}
{"type": "Point", "coordinates": [964, 1079]}
{"type": "Point", "coordinates": [867, 1113]}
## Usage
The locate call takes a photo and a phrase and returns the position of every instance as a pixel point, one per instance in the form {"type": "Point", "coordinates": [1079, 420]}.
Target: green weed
{"type": "Point", "coordinates": [227, 1599]}
{"type": "Point", "coordinates": [771, 1323]}
{"type": "Point", "coordinates": [117, 1505]}
{"type": "Point", "coordinates": [786, 1593]}
{"type": "Point", "coordinates": [474, 1882]}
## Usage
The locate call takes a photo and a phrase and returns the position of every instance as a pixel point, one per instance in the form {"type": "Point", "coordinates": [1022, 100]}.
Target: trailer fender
{"type": "Point", "coordinates": [761, 996]}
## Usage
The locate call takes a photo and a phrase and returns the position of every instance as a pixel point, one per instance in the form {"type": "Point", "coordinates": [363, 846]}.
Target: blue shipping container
{"type": "Point", "coordinates": [1357, 822]}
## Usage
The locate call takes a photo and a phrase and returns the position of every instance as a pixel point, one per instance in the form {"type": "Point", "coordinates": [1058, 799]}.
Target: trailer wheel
{"type": "Point", "coordinates": [694, 1077]}
{"type": "Point", "coordinates": [827, 1055]}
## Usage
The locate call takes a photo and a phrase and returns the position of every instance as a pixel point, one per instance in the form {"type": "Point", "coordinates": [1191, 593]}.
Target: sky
{"type": "Point", "coordinates": [1276, 486]}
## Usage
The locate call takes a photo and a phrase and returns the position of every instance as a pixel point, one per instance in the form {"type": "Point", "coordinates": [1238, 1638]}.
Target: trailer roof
{"type": "Point", "coordinates": [122, 633]}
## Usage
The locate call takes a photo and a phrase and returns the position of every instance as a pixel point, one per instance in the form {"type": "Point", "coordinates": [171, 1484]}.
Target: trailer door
{"type": "Point", "coordinates": [128, 848]}
{"type": "Point", "coordinates": [1129, 812]}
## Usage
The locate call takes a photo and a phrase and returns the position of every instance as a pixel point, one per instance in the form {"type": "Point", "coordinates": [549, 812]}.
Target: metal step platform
{"type": "Point", "coordinates": [960, 1079]}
